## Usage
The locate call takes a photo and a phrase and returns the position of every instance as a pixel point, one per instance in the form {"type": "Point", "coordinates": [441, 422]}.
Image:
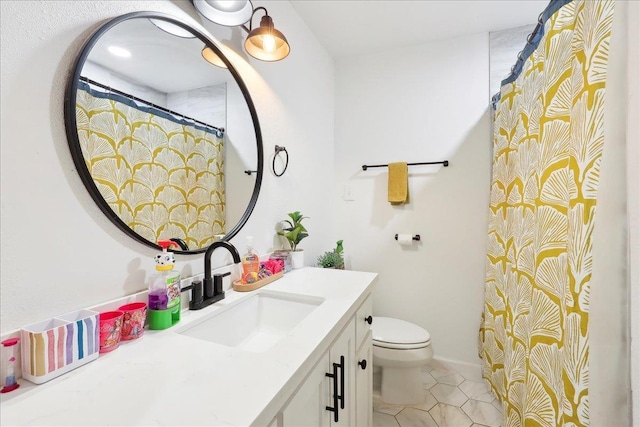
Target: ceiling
{"type": "Point", "coordinates": [357, 27]}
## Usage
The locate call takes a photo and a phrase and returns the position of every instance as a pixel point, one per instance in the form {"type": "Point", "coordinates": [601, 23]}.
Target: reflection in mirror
{"type": "Point", "coordinates": [164, 135]}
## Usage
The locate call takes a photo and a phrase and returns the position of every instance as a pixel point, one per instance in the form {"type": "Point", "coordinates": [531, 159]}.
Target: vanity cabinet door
{"type": "Point", "coordinates": [342, 352]}
{"type": "Point", "coordinates": [308, 405]}
{"type": "Point", "coordinates": [329, 391]}
{"type": "Point", "coordinates": [364, 383]}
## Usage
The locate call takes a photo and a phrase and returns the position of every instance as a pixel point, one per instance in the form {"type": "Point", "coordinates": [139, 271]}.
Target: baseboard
{"type": "Point", "coordinates": [471, 371]}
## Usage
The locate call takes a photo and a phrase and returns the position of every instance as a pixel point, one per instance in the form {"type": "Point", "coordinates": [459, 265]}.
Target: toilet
{"type": "Point", "coordinates": [400, 349]}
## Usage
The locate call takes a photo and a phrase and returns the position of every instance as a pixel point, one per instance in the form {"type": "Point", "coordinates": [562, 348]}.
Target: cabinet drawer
{"type": "Point", "coordinates": [362, 320]}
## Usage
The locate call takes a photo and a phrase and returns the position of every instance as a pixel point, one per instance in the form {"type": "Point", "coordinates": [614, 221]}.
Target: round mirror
{"type": "Point", "coordinates": [163, 132]}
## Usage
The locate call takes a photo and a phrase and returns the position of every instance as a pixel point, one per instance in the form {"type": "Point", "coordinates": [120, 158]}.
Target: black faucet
{"type": "Point", "coordinates": [205, 294]}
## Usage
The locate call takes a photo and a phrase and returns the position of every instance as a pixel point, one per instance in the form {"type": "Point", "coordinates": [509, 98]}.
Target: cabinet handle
{"type": "Point", "coordinates": [342, 382]}
{"type": "Point", "coordinates": [363, 364]}
{"type": "Point", "coordinates": [368, 319]}
{"type": "Point", "coordinates": [334, 375]}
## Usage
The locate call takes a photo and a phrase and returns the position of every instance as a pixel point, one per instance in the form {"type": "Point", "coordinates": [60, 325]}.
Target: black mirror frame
{"type": "Point", "coordinates": [74, 142]}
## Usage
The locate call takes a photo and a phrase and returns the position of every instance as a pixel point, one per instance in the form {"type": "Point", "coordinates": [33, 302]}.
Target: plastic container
{"type": "Point", "coordinates": [55, 346]}
{"type": "Point", "coordinates": [133, 320]}
{"type": "Point", "coordinates": [164, 290]}
{"type": "Point", "coordinates": [110, 330]}
{"type": "Point", "coordinates": [250, 264]}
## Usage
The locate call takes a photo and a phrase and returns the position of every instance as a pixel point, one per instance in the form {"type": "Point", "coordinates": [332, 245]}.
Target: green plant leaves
{"type": "Point", "coordinates": [295, 231]}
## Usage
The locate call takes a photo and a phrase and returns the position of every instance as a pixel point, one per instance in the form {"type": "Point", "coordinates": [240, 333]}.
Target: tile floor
{"type": "Point", "coordinates": [451, 401]}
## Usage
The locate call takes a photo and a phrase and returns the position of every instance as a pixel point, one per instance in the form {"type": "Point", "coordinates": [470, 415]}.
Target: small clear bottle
{"type": "Point", "coordinates": [9, 348]}
{"type": "Point", "coordinates": [250, 263]}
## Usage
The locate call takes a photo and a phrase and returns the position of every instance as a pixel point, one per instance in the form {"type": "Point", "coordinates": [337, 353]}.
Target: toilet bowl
{"type": "Point", "coordinates": [400, 349]}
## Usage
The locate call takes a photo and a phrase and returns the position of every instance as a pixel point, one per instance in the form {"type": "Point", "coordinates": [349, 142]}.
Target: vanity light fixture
{"type": "Point", "coordinates": [265, 42]}
{"type": "Point", "coordinates": [210, 56]}
{"type": "Point", "coordinates": [229, 13]}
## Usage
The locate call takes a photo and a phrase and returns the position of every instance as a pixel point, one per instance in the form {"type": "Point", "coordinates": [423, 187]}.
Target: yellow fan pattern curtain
{"type": "Point", "coordinates": [162, 178]}
{"type": "Point", "coordinates": [548, 139]}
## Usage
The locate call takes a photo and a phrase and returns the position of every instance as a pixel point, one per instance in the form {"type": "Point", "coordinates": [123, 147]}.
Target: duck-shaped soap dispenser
{"type": "Point", "coordinates": [164, 290]}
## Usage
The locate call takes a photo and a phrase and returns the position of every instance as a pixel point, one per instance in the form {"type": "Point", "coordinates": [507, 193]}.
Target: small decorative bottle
{"type": "Point", "coordinates": [8, 365]}
{"type": "Point", "coordinates": [250, 264]}
{"type": "Point", "coordinates": [164, 290]}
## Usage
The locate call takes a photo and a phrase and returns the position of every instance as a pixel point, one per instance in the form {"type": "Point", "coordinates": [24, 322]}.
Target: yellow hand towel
{"type": "Point", "coordinates": [398, 183]}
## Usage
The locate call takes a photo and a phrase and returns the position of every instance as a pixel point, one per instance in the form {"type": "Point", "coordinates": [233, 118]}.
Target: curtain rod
{"type": "Point", "coordinates": [444, 162]}
{"type": "Point", "coordinates": [135, 98]}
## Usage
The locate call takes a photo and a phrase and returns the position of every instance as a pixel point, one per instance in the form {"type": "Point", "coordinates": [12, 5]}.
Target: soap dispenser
{"type": "Point", "coordinates": [250, 263]}
{"type": "Point", "coordinates": [164, 290]}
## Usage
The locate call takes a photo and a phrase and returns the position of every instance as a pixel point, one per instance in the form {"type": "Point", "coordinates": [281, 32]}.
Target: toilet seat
{"type": "Point", "coordinates": [398, 335]}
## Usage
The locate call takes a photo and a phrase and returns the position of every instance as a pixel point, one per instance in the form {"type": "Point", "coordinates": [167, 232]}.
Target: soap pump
{"type": "Point", "coordinates": [164, 290]}
{"type": "Point", "coordinates": [250, 263]}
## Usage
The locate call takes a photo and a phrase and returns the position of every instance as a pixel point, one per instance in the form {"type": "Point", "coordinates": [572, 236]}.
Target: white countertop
{"type": "Point", "coordinates": [169, 379]}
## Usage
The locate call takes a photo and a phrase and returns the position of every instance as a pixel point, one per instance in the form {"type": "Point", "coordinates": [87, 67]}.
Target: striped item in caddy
{"type": "Point", "coordinates": [56, 346]}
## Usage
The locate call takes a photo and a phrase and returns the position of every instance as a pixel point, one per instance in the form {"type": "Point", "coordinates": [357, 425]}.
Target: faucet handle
{"type": "Point", "coordinates": [196, 293]}
{"type": "Point", "coordinates": [217, 283]}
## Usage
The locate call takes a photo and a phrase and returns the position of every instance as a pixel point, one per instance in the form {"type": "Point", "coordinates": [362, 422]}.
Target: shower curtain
{"type": "Point", "coordinates": [548, 139]}
{"type": "Point", "coordinates": [162, 176]}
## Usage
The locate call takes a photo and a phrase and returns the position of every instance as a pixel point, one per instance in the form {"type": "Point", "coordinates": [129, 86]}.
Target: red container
{"type": "Point", "coordinates": [133, 320]}
{"type": "Point", "coordinates": [110, 330]}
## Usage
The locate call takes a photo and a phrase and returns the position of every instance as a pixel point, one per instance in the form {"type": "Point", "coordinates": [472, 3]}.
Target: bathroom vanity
{"type": "Point", "coordinates": [296, 352]}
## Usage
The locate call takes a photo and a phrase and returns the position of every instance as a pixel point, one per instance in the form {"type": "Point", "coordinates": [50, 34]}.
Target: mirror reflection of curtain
{"type": "Point", "coordinates": [548, 141]}
{"type": "Point", "coordinates": [162, 176]}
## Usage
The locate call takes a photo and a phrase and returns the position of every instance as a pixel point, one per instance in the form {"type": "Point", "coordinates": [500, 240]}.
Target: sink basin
{"type": "Point", "coordinates": [255, 323]}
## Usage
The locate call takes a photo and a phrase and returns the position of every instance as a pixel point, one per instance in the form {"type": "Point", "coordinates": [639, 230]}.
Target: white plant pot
{"type": "Point", "coordinates": [297, 259]}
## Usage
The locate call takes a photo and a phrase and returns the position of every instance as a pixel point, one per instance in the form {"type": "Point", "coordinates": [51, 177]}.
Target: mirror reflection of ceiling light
{"type": "Point", "coordinates": [119, 51]}
{"type": "Point", "coordinates": [172, 29]}
{"type": "Point", "coordinates": [212, 57]}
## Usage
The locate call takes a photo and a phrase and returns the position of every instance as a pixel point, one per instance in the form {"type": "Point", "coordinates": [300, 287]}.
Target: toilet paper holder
{"type": "Point", "coordinates": [415, 237]}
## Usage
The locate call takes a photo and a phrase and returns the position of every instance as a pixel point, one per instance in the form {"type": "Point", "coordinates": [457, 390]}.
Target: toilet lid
{"type": "Point", "coordinates": [396, 331]}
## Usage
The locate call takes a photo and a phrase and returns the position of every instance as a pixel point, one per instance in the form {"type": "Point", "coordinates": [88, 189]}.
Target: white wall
{"type": "Point", "coordinates": [633, 195]}
{"type": "Point", "coordinates": [59, 252]}
{"type": "Point", "coordinates": [107, 77]}
{"type": "Point", "coordinates": [419, 104]}
{"type": "Point", "coordinates": [609, 311]}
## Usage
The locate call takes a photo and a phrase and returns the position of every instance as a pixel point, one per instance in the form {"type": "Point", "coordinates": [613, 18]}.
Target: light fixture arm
{"type": "Point", "coordinates": [244, 27]}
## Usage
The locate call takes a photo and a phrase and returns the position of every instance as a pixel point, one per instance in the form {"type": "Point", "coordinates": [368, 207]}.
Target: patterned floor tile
{"type": "Point", "coordinates": [429, 402]}
{"type": "Point", "coordinates": [384, 420]}
{"type": "Point", "coordinates": [411, 417]}
{"type": "Point", "coordinates": [428, 381]}
{"type": "Point", "coordinates": [446, 377]}
{"type": "Point", "coordinates": [449, 416]}
{"type": "Point", "coordinates": [465, 403]}
{"type": "Point", "coordinates": [387, 408]}
{"type": "Point", "coordinates": [449, 394]}
{"type": "Point", "coordinates": [477, 391]}
{"type": "Point", "coordinates": [482, 413]}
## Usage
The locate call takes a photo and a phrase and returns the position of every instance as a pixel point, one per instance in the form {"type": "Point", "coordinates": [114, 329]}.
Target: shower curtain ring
{"type": "Point", "coordinates": [530, 37]}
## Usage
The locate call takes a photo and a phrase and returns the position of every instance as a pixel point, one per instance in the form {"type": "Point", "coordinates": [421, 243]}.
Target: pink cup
{"type": "Point", "coordinates": [110, 330]}
{"type": "Point", "coordinates": [133, 320]}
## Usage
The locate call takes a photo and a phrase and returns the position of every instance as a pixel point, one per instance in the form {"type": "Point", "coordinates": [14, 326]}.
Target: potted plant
{"type": "Point", "coordinates": [294, 232]}
{"type": "Point", "coordinates": [332, 259]}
